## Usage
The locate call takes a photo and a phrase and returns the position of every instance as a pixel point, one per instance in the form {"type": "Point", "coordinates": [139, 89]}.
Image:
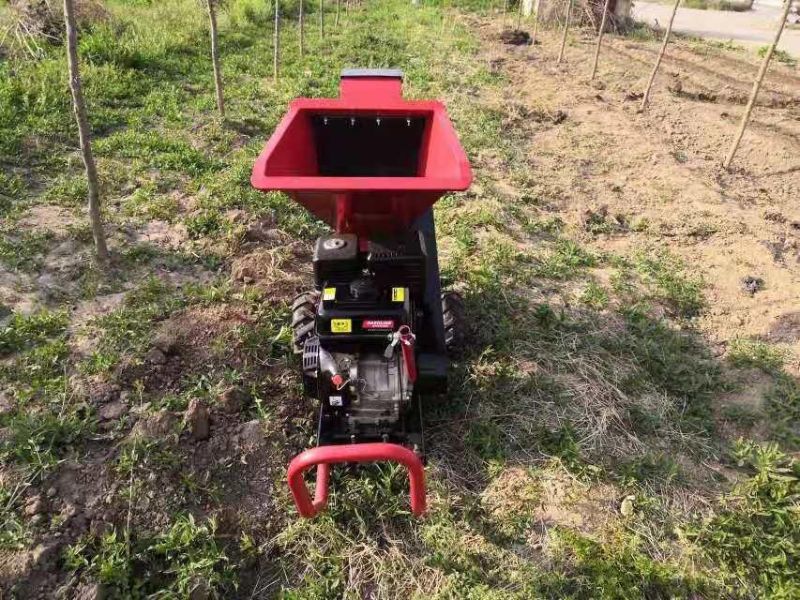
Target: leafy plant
{"type": "Point", "coordinates": [755, 536]}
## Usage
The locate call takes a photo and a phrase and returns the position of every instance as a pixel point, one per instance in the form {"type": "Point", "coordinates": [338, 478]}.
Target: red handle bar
{"type": "Point", "coordinates": [324, 456]}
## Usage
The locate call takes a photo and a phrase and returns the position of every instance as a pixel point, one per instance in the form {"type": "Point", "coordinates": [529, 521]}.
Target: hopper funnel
{"type": "Point", "coordinates": [367, 162]}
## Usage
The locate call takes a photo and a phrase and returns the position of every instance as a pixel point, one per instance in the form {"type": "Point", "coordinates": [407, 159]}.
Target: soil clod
{"type": "Point", "coordinates": [198, 420]}
{"type": "Point", "coordinates": [155, 356]}
{"type": "Point", "coordinates": [232, 400]}
{"type": "Point", "coordinates": [751, 284]}
{"type": "Point", "coordinates": [515, 37]}
{"type": "Point", "coordinates": [36, 505]}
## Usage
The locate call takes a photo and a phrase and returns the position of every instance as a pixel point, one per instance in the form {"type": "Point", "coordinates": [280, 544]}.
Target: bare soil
{"type": "Point", "coordinates": [660, 171]}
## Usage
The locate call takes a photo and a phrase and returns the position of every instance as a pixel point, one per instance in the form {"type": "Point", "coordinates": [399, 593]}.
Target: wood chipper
{"type": "Point", "coordinates": [374, 332]}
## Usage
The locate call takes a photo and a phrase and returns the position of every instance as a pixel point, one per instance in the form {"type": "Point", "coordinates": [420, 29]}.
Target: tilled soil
{"type": "Point", "coordinates": [661, 168]}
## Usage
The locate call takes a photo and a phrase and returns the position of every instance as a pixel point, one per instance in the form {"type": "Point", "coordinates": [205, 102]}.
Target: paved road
{"type": "Point", "coordinates": [753, 28]}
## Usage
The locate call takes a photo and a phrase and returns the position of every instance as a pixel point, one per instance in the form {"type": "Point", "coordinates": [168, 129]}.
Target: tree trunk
{"type": "Point", "coordinates": [564, 35]}
{"type": "Point", "coordinates": [756, 88]}
{"type": "Point", "coordinates": [84, 136]}
{"type": "Point", "coordinates": [599, 39]}
{"type": "Point", "coordinates": [276, 41]}
{"type": "Point", "coordinates": [527, 7]}
{"type": "Point", "coordinates": [212, 17]}
{"type": "Point", "coordinates": [302, 29]}
{"type": "Point", "coordinates": [660, 56]}
{"type": "Point", "coordinates": [535, 25]}
{"type": "Point", "coordinates": [338, 10]}
{"type": "Point", "coordinates": [321, 18]}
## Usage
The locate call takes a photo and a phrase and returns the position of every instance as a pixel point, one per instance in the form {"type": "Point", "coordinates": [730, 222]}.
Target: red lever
{"type": "Point", "coordinates": [324, 456]}
{"type": "Point", "coordinates": [407, 339]}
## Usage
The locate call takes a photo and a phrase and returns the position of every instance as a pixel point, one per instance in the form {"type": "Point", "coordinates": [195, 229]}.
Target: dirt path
{"type": "Point", "coordinates": [753, 28]}
{"type": "Point", "coordinates": [659, 171]}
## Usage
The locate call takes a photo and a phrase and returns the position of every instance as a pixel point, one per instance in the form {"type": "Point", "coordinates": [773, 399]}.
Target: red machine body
{"type": "Point", "coordinates": [368, 163]}
{"type": "Point", "coordinates": [404, 176]}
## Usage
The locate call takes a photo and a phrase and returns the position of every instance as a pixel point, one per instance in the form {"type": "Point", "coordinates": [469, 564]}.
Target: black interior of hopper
{"type": "Point", "coordinates": [361, 146]}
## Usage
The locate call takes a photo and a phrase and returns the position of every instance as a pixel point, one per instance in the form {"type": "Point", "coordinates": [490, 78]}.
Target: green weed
{"type": "Point", "coordinates": [21, 249]}
{"type": "Point", "coordinates": [671, 284]}
{"type": "Point", "coordinates": [779, 55]}
{"type": "Point", "coordinates": [178, 563]}
{"type": "Point", "coordinates": [754, 539]}
{"type": "Point", "coordinates": [594, 296]}
{"type": "Point", "coordinates": [23, 332]}
{"type": "Point", "coordinates": [14, 534]}
{"type": "Point", "coordinates": [783, 410]}
{"type": "Point", "coordinates": [566, 260]}
{"type": "Point", "coordinates": [751, 353]}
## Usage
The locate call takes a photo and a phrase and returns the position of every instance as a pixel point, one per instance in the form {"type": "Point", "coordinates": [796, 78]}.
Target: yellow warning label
{"type": "Point", "coordinates": [329, 294]}
{"type": "Point", "coordinates": [398, 294]}
{"type": "Point", "coordinates": [341, 326]}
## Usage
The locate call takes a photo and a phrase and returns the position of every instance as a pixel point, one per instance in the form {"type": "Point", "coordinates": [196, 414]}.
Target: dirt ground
{"type": "Point", "coordinates": [659, 172]}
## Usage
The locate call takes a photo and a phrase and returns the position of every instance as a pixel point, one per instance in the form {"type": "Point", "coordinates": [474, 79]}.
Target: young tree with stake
{"type": "Point", "coordinates": [564, 34]}
{"type": "Point", "coordinates": [276, 41]}
{"type": "Point", "coordinates": [667, 34]}
{"type": "Point", "coordinates": [212, 17]}
{"type": "Point", "coordinates": [757, 87]}
{"type": "Point", "coordinates": [301, 27]}
{"type": "Point", "coordinates": [84, 135]}
{"type": "Point", "coordinates": [600, 39]}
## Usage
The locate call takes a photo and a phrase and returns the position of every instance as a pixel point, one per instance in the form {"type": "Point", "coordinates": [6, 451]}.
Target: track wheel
{"type": "Point", "coordinates": [304, 312]}
{"type": "Point", "coordinates": [454, 322]}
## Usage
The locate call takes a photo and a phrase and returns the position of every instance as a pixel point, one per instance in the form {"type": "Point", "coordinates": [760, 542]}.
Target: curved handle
{"type": "Point", "coordinates": [324, 456]}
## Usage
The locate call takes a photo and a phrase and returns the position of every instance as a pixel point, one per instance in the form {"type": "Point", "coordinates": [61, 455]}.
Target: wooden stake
{"type": "Point", "coordinates": [321, 19]}
{"type": "Point", "coordinates": [338, 10]}
{"type": "Point", "coordinates": [756, 88]}
{"type": "Point", "coordinates": [302, 28]}
{"type": "Point", "coordinates": [276, 41]}
{"type": "Point", "coordinates": [599, 39]}
{"type": "Point", "coordinates": [519, 16]}
{"type": "Point", "coordinates": [564, 34]}
{"type": "Point", "coordinates": [84, 135]}
{"type": "Point", "coordinates": [212, 17]}
{"type": "Point", "coordinates": [535, 27]}
{"type": "Point", "coordinates": [661, 52]}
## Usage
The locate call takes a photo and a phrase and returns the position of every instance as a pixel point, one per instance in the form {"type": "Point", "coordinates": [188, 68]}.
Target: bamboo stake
{"type": "Point", "coordinates": [322, 19]}
{"type": "Point", "coordinates": [276, 41]}
{"type": "Point", "coordinates": [661, 52]}
{"type": "Point", "coordinates": [564, 34]}
{"type": "Point", "coordinates": [84, 135]}
{"type": "Point", "coordinates": [212, 17]}
{"type": "Point", "coordinates": [599, 39]}
{"type": "Point", "coordinates": [301, 25]}
{"type": "Point", "coordinates": [756, 88]}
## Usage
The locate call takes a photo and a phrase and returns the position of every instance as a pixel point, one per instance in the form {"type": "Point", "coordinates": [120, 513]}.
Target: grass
{"type": "Point", "coordinates": [755, 536]}
{"type": "Point", "coordinates": [568, 385]}
{"type": "Point", "coordinates": [183, 561]}
{"type": "Point", "coordinates": [752, 353]}
{"type": "Point", "coordinates": [735, 5]}
{"type": "Point", "coordinates": [780, 55]}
